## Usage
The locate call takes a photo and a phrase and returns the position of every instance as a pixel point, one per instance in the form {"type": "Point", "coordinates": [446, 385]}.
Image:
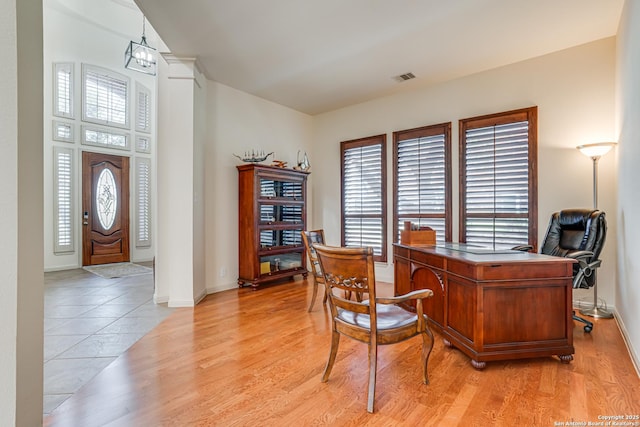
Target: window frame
{"type": "Point", "coordinates": [422, 132]}
{"type": "Point", "coordinates": [86, 68]}
{"type": "Point", "coordinates": [66, 189]}
{"type": "Point", "coordinates": [146, 92]}
{"type": "Point", "coordinates": [143, 208]}
{"type": "Point", "coordinates": [380, 140]}
{"type": "Point", "coordinates": [107, 131]}
{"type": "Point", "coordinates": [525, 114]}
{"type": "Point", "coordinates": [70, 68]}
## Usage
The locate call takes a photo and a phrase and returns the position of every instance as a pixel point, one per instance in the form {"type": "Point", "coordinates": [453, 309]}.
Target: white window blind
{"type": "Point", "coordinates": [143, 108]}
{"type": "Point", "coordinates": [105, 97]}
{"type": "Point", "coordinates": [63, 89]}
{"type": "Point", "coordinates": [63, 131]}
{"type": "Point", "coordinates": [143, 202]}
{"type": "Point", "coordinates": [363, 195]}
{"type": "Point", "coordinates": [63, 199]}
{"type": "Point", "coordinates": [143, 144]}
{"type": "Point", "coordinates": [422, 195]}
{"type": "Point", "coordinates": [497, 210]}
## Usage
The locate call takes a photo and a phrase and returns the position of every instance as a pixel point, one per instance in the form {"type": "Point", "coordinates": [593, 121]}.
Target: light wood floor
{"type": "Point", "coordinates": [244, 357]}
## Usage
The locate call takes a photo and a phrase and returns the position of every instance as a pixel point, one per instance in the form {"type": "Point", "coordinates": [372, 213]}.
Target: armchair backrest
{"type": "Point", "coordinates": [574, 230]}
{"type": "Point", "coordinates": [311, 238]}
{"type": "Point", "coordinates": [349, 270]}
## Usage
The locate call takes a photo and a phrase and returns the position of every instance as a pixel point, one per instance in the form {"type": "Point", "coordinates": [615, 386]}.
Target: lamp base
{"type": "Point", "coordinates": [597, 312]}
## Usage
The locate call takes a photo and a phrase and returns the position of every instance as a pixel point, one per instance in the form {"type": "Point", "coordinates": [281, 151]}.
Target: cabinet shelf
{"type": "Point", "coordinates": [272, 214]}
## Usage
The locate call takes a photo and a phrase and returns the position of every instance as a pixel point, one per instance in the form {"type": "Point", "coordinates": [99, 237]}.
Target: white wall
{"type": "Point", "coordinates": [93, 32]}
{"type": "Point", "coordinates": [180, 263]}
{"type": "Point", "coordinates": [21, 265]}
{"type": "Point", "coordinates": [628, 300]}
{"type": "Point", "coordinates": [239, 122]}
{"type": "Point", "coordinates": [575, 94]}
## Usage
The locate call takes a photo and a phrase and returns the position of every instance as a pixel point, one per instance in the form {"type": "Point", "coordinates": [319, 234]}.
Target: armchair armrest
{"type": "Point", "coordinates": [417, 294]}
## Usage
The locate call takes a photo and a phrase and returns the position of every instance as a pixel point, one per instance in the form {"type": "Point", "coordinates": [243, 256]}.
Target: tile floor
{"type": "Point", "coordinates": [88, 322]}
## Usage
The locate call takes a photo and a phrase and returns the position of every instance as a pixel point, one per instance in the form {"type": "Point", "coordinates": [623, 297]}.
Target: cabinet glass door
{"type": "Point", "coordinates": [272, 189]}
{"type": "Point", "coordinates": [279, 262]}
{"type": "Point", "coordinates": [285, 214]}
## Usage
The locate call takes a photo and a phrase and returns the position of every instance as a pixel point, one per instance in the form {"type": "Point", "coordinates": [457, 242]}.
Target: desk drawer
{"type": "Point", "coordinates": [427, 259]}
{"type": "Point", "coordinates": [515, 271]}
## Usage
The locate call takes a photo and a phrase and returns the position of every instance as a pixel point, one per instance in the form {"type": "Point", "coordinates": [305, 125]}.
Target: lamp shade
{"type": "Point", "coordinates": [140, 57]}
{"type": "Point", "coordinates": [596, 150]}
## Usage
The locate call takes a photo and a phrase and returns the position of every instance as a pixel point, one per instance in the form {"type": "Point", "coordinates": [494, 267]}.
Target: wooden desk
{"type": "Point", "coordinates": [492, 305]}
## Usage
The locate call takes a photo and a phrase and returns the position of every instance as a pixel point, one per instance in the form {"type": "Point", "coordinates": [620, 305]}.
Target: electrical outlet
{"type": "Point", "coordinates": [223, 272]}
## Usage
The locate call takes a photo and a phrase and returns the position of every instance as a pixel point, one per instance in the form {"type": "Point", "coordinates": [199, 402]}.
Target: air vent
{"type": "Point", "coordinates": [404, 77]}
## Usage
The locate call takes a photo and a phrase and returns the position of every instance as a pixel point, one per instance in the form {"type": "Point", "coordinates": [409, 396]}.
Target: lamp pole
{"type": "Point", "coordinates": [595, 151]}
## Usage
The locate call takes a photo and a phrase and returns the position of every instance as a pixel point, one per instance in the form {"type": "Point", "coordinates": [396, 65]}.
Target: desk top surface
{"type": "Point", "coordinates": [479, 254]}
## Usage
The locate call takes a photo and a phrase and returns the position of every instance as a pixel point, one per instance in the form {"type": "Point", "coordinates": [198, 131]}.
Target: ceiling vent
{"type": "Point", "coordinates": [404, 77]}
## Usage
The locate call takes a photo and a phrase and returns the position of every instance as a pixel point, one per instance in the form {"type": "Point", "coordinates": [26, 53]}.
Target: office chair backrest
{"type": "Point", "coordinates": [573, 230]}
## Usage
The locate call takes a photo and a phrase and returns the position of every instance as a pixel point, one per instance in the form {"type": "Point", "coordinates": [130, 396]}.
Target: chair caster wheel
{"type": "Point", "coordinates": [588, 328]}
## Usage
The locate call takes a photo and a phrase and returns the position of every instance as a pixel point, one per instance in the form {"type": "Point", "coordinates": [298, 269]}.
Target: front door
{"type": "Point", "coordinates": [105, 208]}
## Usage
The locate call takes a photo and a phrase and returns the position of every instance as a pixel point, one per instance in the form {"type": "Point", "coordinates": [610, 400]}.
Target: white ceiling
{"type": "Point", "coordinates": [319, 55]}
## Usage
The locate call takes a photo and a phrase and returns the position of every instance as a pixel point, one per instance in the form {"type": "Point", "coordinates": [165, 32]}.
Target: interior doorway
{"type": "Point", "coordinates": [105, 208]}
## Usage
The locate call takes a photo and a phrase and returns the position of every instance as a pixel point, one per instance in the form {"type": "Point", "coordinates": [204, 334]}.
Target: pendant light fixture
{"type": "Point", "coordinates": [140, 56]}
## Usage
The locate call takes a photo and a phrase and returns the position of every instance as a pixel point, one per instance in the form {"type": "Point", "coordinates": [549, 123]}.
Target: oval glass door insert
{"type": "Point", "coordinates": [106, 199]}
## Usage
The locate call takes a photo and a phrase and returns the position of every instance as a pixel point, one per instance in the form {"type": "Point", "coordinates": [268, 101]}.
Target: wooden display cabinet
{"type": "Point", "coordinates": [272, 213]}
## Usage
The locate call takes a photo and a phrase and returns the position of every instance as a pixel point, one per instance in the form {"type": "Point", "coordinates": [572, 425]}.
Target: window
{"type": "Point", "coordinates": [63, 89]}
{"type": "Point", "coordinates": [143, 202]}
{"type": "Point", "coordinates": [422, 179]}
{"type": "Point", "coordinates": [498, 179]}
{"type": "Point", "coordinates": [105, 97]}
{"type": "Point", "coordinates": [104, 138]}
{"type": "Point", "coordinates": [143, 144]}
{"type": "Point", "coordinates": [63, 200]}
{"type": "Point", "coordinates": [364, 194]}
{"type": "Point", "coordinates": [143, 108]}
{"type": "Point", "coordinates": [63, 131]}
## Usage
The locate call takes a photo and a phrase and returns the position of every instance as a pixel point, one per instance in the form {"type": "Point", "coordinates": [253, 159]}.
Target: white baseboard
{"type": "Point", "coordinates": [62, 268]}
{"type": "Point", "coordinates": [180, 303]}
{"type": "Point", "coordinates": [635, 359]}
{"type": "Point", "coordinates": [222, 287]}
{"type": "Point", "coordinates": [160, 299]}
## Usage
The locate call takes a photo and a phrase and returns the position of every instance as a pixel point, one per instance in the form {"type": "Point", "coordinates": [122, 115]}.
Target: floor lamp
{"type": "Point", "coordinates": [595, 151]}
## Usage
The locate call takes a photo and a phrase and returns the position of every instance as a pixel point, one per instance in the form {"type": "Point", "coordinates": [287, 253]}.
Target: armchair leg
{"type": "Point", "coordinates": [373, 365]}
{"type": "Point", "coordinates": [313, 296]}
{"type": "Point", "coordinates": [427, 346]}
{"type": "Point", "coordinates": [335, 341]}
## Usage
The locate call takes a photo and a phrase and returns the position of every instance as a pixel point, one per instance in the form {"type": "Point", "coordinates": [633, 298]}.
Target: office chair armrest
{"type": "Point", "coordinates": [523, 248]}
{"type": "Point", "coordinates": [417, 294]}
{"type": "Point", "coordinates": [580, 255]}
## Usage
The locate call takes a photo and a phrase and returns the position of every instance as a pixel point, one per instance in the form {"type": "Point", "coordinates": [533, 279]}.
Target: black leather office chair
{"type": "Point", "coordinates": [578, 234]}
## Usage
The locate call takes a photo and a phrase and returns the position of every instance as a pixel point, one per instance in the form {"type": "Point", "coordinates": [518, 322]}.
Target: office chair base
{"type": "Point", "coordinates": [597, 312]}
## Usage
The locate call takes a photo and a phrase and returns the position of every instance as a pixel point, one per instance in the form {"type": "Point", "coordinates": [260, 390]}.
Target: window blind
{"type": "Point", "coordinates": [63, 199]}
{"type": "Point", "coordinates": [105, 97]}
{"type": "Point", "coordinates": [363, 195]}
{"type": "Point", "coordinates": [422, 192]}
{"type": "Point", "coordinates": [143, 202]}
{"type": "Point", "coordinates": [63, 89]}
{"type": "Point", "coordinates": [497, 204]}
{"type": "Point", "coordinates": [143, 108]}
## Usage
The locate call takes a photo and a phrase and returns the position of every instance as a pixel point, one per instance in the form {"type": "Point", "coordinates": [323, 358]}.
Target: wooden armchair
{"type": "Point", "coordinates": [378, 321]}
{"type": "Point", "coordinates": [311, 238]}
